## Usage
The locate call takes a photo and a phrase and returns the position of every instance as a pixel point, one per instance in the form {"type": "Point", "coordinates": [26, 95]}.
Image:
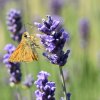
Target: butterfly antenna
{"type": "Point", "coordinates": [24, 28]}
{"type": "Point", "coordinates": [30, 25]}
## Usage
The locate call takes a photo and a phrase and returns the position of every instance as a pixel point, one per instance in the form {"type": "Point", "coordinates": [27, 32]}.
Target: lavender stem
{"type": "Point", "coordinates": [63, 82]}
{"type": "Point", "coordinates": [18, 94]}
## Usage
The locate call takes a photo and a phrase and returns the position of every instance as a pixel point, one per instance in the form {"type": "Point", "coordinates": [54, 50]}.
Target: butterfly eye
{"type": "Point", "coordinates": [25, 35]}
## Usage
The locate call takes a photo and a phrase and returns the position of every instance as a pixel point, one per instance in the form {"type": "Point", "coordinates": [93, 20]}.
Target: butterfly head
{"type": "Point", "coordinates": [25, 35]}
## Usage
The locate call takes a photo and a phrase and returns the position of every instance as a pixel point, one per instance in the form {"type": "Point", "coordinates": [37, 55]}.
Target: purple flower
{"type": "Point", "coordinates": [48, 26]}
{"type": "Point", "coordinates": [56, 6]}
{"type": "Point", "coordinates": [46, 89]}
{"type": "Point", "coordinates": [42, 79]}
{"type": "Point", "coordinates": [10, 48]}
{"type": "Point", "coordinates": [38, 95]}
{"type": "Point", "coordinates": [53, 39]}
{"type": "Point", "coordinates": [13, 68]}
{"type": "Point", "coordinates": [43, 75]}
{"type": "Point", "coordinates": [84, 29]}
{"type": "Point", "coordinates": [28, 81]}
{"type": "Point", "coordinates": [68, 95]}
{"type": "Point", "coordinates": [14, 24]}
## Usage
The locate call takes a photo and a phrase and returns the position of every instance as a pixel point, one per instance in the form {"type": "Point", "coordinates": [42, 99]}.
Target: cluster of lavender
{"type": "Point", "coordinates": [46, 89]}
{"type": "Point", "coordinates": [28, 81]}
{"type": "Point", "coordinates": [14, 24]}
{"type": "Point", "coordinates": [13, 68]}
{"type": "Point", "coordinates": [53, 39]}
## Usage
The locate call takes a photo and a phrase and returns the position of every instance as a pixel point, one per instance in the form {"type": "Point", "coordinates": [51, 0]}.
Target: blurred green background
{"type": "Point", "coordinates": [82, 71]}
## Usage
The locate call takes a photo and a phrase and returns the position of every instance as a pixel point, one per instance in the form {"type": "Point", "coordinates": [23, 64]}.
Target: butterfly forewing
{"type": "Point", "coordinates": [16, 55]}
{"type": "Point", "coordinates": [23, 53]}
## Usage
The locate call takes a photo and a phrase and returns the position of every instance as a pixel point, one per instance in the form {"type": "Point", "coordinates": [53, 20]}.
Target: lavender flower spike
{"type": "Point", "coordinates": [14, 23]}
{"type": "Point", "coordinates": [13, 68]}
{"type": "Point", "coordinates": [46, 89]}
{"type": "Point", "coordinates": [53, 39]}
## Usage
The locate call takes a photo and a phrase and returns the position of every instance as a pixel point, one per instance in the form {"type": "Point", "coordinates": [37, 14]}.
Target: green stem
{"type": "Point", "coordinates": [18, 93]}
{"type": "Point", "coordinates": [26, 71]}
{"type": "Point", "coordinates": [63, 82]}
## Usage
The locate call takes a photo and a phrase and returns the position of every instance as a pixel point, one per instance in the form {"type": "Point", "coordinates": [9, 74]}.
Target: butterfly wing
{"type": "Point", "coordinates": [23, 53]}
{"type": "Point", "coordinates": [28, 54]}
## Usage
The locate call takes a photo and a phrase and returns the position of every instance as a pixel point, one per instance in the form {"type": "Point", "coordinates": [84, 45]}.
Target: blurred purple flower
{"type": "Point", "coordinates": [13, 68]}
{"type": "Point", "coordinates": [46, 89]}
{"type": "Point", "coordinates": [28, 81]}
{"type": "Point", "coordinates": [14, 23]}
{"type": "Point", "coordinates": [56, 6]}
{"type": "Point", "coordinates": [9, 48]}
{"type": "Point", "coordinates": [53, 40]}
{"type": "Point", "coordinates": [84, 30]}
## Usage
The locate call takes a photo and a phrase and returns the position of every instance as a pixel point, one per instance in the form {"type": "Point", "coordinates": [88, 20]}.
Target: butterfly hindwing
{"type": "Point", "coordinates": [29, 54]}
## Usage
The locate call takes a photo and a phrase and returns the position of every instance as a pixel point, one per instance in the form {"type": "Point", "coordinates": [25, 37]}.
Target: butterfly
{"type": "Point", "coordinates": [25, 52]}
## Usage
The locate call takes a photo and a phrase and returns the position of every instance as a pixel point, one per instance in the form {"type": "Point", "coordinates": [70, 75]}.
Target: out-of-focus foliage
{"type": "Point", "coordinates": [82, 71]}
